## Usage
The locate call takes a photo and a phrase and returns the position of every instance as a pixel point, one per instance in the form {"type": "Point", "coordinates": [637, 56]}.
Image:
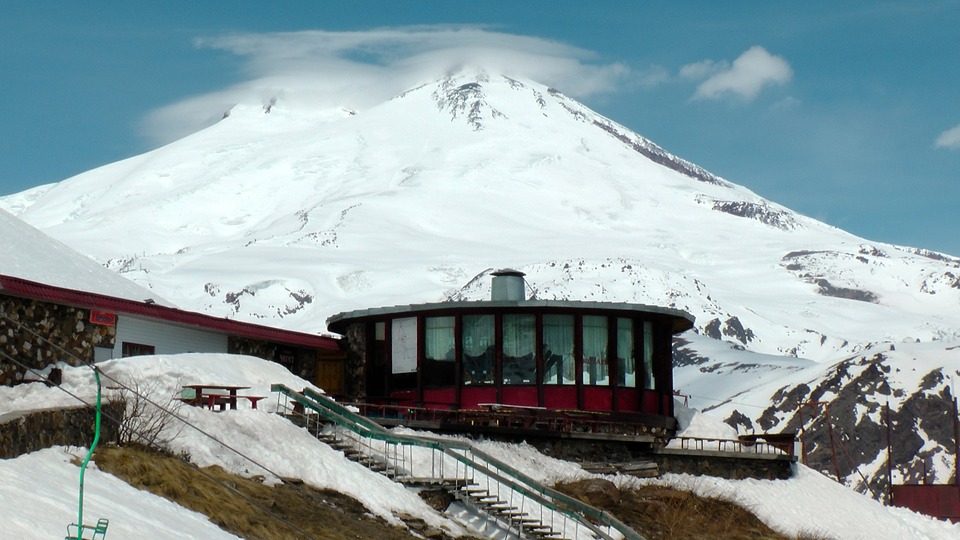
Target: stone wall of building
{"type": "Point", "coordinates": [356, 371]}
{"type": "Point", "coordinates": [724, 464]}
{"type": "Point", "coordinates": [24, 432]}
{"type": "Point", "coordinates": [300, 361]}
{"type": "Point", "coordinates": [39, 334]}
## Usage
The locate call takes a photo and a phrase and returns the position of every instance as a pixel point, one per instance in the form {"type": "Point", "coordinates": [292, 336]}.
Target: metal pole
{"type": "Point", "coordinates": [83, 466]}
{"type": "Point", "coordinates": [833, 446]}
{"type": "Point", "coordinates": [803, 434]}
{"type": "Point", "coordinates": [956, 444]}
{"type": "Point", "coordinates": [889, 457]}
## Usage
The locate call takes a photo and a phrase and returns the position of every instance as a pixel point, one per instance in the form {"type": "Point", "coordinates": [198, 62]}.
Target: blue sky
{"type": "Point", "coordinates": [848, 112]}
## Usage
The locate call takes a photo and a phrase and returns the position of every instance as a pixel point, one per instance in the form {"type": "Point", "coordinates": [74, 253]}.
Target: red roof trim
{"type": "Point", "coordinates": [39, 291]}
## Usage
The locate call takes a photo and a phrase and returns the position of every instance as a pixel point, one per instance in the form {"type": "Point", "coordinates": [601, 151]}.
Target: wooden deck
{"type": "Point", "coordinates": [507, 420]}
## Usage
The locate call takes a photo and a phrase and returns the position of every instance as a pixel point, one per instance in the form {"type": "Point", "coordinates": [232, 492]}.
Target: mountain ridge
{"type": "Point", "coordinates": [287, 216]}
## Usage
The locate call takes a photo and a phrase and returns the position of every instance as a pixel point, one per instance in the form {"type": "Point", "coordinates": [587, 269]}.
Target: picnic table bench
{"type": "Point", "coordinates": [216, 396]}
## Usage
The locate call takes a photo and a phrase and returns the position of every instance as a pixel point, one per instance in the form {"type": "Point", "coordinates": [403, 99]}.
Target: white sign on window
{"type": "Point", "coordinates": [404, 345]}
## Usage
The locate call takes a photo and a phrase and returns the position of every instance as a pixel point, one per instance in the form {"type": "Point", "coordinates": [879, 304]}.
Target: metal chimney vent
{"type": "Point", "coordinates": [508, 285]}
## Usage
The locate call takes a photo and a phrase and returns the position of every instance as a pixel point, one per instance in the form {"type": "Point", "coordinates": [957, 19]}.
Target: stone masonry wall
{"type": "Point", "coordinates": [21, 433]}
{"type": "Point", "coordinates": [301, 362]}
{"type": "Point", "coordinates": [729, 467]}
{"type": "Point", "coordinates": [356, 371]}
{"type": "Point", "coordinates": [37, 334]}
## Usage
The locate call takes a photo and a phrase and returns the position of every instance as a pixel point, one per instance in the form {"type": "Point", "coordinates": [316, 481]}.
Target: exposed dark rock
{"type": "Point", "coordinates": [851, 393]}
{"type": "Point", "coordinates": [873, 251]}
{"type": "Point", "coordinates": [660, 156]}
{"type": "Point", "coordinates": [827, 289]}
{"type": "Point", "coordinates": [740, 422]}
{"type": "Point", "coordinates": [732, 328]}
{"type": "Point", "coordinates": [465, 100]}
{"type": "Point", "coordinates": [760, 212]}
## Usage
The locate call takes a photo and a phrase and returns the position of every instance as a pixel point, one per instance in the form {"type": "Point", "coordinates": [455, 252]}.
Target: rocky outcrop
{"type": "Point", "coordinates": [842, 419]}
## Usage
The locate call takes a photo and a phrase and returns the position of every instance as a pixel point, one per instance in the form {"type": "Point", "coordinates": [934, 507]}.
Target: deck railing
{"type": "Point", "coordinates": [461, 466]}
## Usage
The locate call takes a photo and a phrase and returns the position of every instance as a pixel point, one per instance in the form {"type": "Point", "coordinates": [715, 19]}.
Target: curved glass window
{"type": "Point", "coordinates": [595, 370]}
{"type": "Point", "coordinates": [648, 381]}
{"type": "Point", "coordinates": [519, 349]}
{"type": "Point", "coordinates": [439, 353]}
{"type": "Point", "coordinates": [403, 337]}
{"type": "Point", "coordinates": [558, 363]}
{"type": "Point", "coordinates": [478, 340]}
{"type": "Point", "coordinates": [626, 363]}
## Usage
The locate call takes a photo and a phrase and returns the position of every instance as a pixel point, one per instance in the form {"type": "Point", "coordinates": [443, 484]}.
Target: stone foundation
{"type": "Point", "coordinates": [725, 464]}
{"type": "Point", "coordinates": [300, 362]}
{"type": "Point", "coordinates": [25, 432]}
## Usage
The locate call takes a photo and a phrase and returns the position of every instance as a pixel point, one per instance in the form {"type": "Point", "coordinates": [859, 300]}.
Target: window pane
{"type": "Point", "coordinates": [438, 366]}
{"type": "Point", "coordinates": [648, 381]}
{"type": "Point", "coordinates": [439, 338]}
{"type": "Point", "coordinates": [519, 346]}
{"type": "Point", "coordinates": [595, 350]}
{"type": "Point", "coordinates": [136, 349]}
{"type": "Point", "coordinates": [626, 363]}
{"type": "Point", "coordinates": [558, 363]}
{"type": "Point", "coordinates": [403, 337]}
{"type": "Point", "coordinates": [478, 351]}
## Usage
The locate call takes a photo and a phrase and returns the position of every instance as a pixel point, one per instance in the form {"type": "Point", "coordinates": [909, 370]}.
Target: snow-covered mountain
{"type": "Point", "coordinates": [290, 214]}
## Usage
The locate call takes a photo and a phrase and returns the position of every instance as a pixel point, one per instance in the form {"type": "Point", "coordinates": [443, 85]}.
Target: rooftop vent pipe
{"type": "Point", "coordinates": [508, 285]}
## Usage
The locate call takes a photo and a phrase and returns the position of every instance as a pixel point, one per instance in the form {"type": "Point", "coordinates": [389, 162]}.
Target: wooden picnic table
{"type": "Point", "coordinates": [219, 396]}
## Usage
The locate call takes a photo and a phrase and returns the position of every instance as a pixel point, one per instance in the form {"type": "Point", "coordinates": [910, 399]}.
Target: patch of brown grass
{"type": "Point", "coordinates": [662, 513]}
{"type": "Point", "coordinates": [271, 513]}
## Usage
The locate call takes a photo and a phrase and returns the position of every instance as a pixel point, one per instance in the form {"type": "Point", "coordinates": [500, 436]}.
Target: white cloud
{"type": "Point", "coordinates": [950, 139]}
{"type": "Point", "coordinates": [702, 69]}
{"type": "Point", "coordinates": [359, 69]}
{"type": "Point", "coordinates": [752, 71]}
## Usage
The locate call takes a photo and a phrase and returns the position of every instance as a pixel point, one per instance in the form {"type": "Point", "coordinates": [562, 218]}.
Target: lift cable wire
{"type": "Point", "coordinates": [193, 466]}
{"type": "Point", "coordinates": [170, 413]}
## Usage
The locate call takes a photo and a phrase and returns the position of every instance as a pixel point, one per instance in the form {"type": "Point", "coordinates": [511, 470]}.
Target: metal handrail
{"type": "Point", "coordinates": [515, 480]}
{"type": "Point", "coordinates": [731, 446]}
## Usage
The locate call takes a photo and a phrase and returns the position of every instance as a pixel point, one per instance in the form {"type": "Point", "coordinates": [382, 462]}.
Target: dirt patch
{"type": "Point", "coordinates": [661, 513]}
{"type": "Point", "coordinates": [246, 507]}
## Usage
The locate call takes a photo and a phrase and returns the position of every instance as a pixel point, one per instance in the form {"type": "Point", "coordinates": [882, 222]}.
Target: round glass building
{"type": "Point", "coordinates": [509, 352]}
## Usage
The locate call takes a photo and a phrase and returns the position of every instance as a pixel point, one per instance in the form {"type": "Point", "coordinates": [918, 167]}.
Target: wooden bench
{"type": "Point", "coordinates": [99, 531]}
{"type": "Point", "coordinates": [253, 400]}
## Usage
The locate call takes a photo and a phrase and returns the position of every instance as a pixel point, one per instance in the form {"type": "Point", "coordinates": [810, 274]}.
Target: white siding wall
{"type": "Point", "coordinates": [165, 338]}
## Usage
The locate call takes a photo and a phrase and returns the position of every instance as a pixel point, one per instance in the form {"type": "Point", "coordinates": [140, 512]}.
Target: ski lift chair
{"type": "Point", "coordinates": [79, 532]}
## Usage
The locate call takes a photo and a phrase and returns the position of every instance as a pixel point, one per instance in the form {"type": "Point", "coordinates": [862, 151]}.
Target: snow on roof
{"type": "Point", "coordinates": [45, 269]}
{"type": "Point", "coordinates": [32, 255]}
{"type": "Point", "coordinates": [39, 291]}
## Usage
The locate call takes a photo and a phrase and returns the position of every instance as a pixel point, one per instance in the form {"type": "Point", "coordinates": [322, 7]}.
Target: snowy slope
{"type": "Point", "coordinates": [277, 213]}
{"type": "Point", "coordinates": [43, 483]}
{"type": "Point", "coordinates": [287, 214]}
